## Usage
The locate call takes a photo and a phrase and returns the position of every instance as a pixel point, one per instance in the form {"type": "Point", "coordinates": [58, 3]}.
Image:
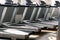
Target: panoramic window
{"type": "Point", "coordinates": [2, 1]}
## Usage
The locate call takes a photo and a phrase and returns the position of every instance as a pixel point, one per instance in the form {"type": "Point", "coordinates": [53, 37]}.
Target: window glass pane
{"type": "Point", "coordinates": [2, 1]}
{"type": "Point", "coordinates": [53, 2]}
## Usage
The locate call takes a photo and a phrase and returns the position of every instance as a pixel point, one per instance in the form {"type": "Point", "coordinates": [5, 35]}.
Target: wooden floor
{"type": "Point", "coordinates": [47, 35]}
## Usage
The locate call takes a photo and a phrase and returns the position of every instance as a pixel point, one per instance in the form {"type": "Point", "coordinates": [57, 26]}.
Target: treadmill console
{"type": "Point", "coordinates": [9, 2]}
{"type": "Point", "coordinates": [57, 3]}
{"type": "Point", "coordinates": [30, 3]}
{"type": "Point", "coordinates": [44, 4]}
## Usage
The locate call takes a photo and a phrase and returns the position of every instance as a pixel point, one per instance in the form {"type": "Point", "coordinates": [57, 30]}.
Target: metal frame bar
{"type": "Point", "coordinates": [24, 14]}
{"type": "Point", "coordinates": [46, 13]}
{"type": "Point", "coordinates": [38, 13]}
{"type": "Point", "coordinates": [52, 12]}
{"type": "Point", "coordinates": [14, 14]}
{"type": "Point", "coordinates": [3, 15]}
{"type": "Point", "coordinates": [34, 10]}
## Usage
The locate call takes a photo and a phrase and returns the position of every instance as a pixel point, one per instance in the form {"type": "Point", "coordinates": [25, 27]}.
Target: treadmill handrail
{"type": "Point", "coordinates": [14, 5]}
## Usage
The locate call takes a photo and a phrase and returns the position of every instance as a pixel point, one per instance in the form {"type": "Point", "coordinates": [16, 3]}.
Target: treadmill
{"type": "Point", "coordinates": [17, 34]}
{"type": "Point", "coordinates": [49, 19]}
{"type": "Point", "coordinates": [22, 25]}
{"type": "Point", "coordinates": [35, 22]}
{"type": "Point", "coordinates": [8, 32]}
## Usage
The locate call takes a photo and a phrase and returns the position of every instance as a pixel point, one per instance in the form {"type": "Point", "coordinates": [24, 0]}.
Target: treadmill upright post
{"type": "Point", "coordinates": [14, 14]}
{"type": "Point", "coordinates": [52, 12]}
{"type": "Point", "coordinates": [24, 13]}
{"type": "Point", "coordinates": [3, 15]}
{"type": "Point", "coordinates": [34, 10]}
{"type": "Point", "coordinates": [46, 13]}
{"type": "Point", "coordinates": [39, 10]}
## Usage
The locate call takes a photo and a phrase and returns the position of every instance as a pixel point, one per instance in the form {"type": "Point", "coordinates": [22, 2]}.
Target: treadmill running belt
{"type": "Point", "coordinates": [8, 33]}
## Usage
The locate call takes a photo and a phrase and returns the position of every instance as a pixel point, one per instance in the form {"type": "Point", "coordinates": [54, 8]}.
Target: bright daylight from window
{"type": "Point", "coordinates": [2, 1]}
